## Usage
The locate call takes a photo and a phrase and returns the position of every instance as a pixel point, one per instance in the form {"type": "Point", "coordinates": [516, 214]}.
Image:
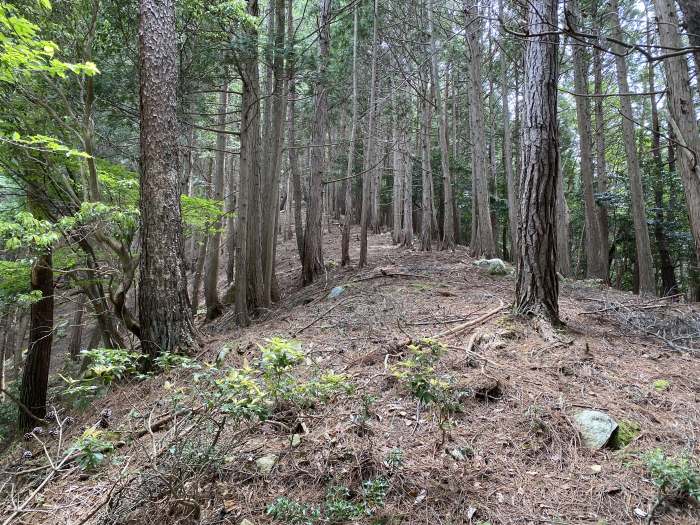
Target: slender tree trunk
{"type": "Point", "coordinates": [312, 265]}
{"type": "Point", "coordinates": [291, 135]}
{"type": "Point", "coordinates": [76, 333]}
{"type": "Point", "coordinates": [35, 377]}
{"type": "Point", "coordinates": [347, 222]}
{"type": "Point", "coordinates": [231, 220]}
{"type": "Point", "coordinates": [682, 117]}
{"type": "Point", "coordinates": [397, 170]}
{"type": "Point", "coordinates": [508, 154]}
{"type": "Point", "coordinates": [199, 273]}
{"type": "Point", "coordinates": [537, 288]}
{"type": "Point", "coordinates": [669, 286]}
{"type": "Point", "coordinates": [601, 167]}
{"type": "Point", "coordinates": [164, 308]}
{"type": "Point", "coordinates": [367, 177]}
{"type": "Point", "coordinates": [595, 267]}
{"type": "Point", "coordinates": [272, 207]}
{"type": "Point", "coordinates": [448, 239]}
{"type": "Point", "coordinates": [483, 243]}
{"type": "Point", "coordinates": [211, 280]}
{"type": "Point", "coordinates": [10, 344]}
{"type": "Point", "coordinates": [407, 227]}
{"type": "Point", "coordinates": [426, 227]}
{"type": "Point", "coordinates": [647, 284]}
{"type": "Point", "coordinates": [563, 219]}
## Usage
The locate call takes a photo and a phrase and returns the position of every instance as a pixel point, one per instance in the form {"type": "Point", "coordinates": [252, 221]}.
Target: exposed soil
{"type": "Point", "coordinates": [522, 460]}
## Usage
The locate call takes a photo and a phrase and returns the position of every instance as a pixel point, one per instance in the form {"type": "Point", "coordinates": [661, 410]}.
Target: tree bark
{"type": "Point", "coordinates": [291, 135]}
{"type": "Point", "coordinates": [368, 154]}
{"type": "Point", "coordinates": [669, 286]}
{"type": "Point", "coordinates": [426, 227]}
{"type": "Point", "coordinates": [601, 166]}
{"type": "Point", "coordinates": [35, 378]}
{"type": "Point", "coordinates": [231, 197]}
{"type": "Point", "coordinates": [537, 288]}
{"type": "Point", "coordinates": [76, 332]}
{"type": "Point", "coordinates": [683, 122]}
{"type": "Point", "coordinates": [483, 242]}
{"type": "Point", "coordinates": [347, 221]}
{"type": "Point", "coordinates": [211, 280]}
{"type": "Point", "coordinates": [448, 238]}
{"type": "Point", "coordinates": [691, 16]}
{"type": "Point", "coordinates": [164, 308]}
{"type": "Point", "coordinates": [312, 264]}
{"type": "Point", "coordinates": [595, 267]}
{"type": "Point", "coordinates": [645, 262]}
{"type": "Point", "coordinates": [512, 188]}
{"type": "Point", "coordinates": [279, 107]}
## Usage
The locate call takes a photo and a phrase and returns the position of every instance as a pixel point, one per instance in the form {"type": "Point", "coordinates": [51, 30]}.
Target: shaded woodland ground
{"type": "Point", "coordinates": [509, 455]}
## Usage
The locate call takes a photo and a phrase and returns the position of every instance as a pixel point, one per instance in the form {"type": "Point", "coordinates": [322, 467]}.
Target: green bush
{"type": "Point", "coordinates": [93, 448]}
{"type": "Point", "coordinates": [676, 476]}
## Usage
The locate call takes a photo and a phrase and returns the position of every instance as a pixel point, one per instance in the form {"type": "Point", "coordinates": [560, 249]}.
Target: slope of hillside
{"type": "Point", "coordinates": [342, 435]}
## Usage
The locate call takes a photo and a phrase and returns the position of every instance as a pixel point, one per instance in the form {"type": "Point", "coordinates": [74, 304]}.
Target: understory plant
{"type": "Point", "coordinates": [417, 372]}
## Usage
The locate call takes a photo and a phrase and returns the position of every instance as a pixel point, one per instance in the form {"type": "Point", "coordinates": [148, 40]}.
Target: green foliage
{"type": "Point", "coordinates": [417, 372]}
{"type": "Point", "coordinates": [93, 447]}
{"type": "Point", "coordinates": [293, 513]}
{"type": "Point", "coordinates": [168, 361]}
{"type": "Point", "coordinates": [107, 365]}
{"type": "Point", "coordinates": [200, 214]}
{"type": "Point", "coordinates": [339, 505]}
{"type": "Point", "coordinates": [26, 231]}
{"type": "Point", "coordinates": [673, 476]}
{"type": "Point", "coordinates": [22, 51]}
{"type": "Point", "coordinates": [250, 393]}
{"type": "Point", "coordinates": [626, 431]}
{"type": "Point", "coordinates": [660, 385]}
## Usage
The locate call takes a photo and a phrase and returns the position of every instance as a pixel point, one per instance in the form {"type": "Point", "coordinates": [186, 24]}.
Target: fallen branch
{"type": "Point", "coordinates": [469, 324]}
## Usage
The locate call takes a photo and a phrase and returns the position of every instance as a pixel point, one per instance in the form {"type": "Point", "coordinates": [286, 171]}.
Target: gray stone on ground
{"type": "Point", "coordinates": [596, 428]}
{"type": "Point", "coordinates": [266, 463]}
{"type": "Point", "coordinates": [493, 266]}
{"type": "Point", "coordinates": [335, 292]}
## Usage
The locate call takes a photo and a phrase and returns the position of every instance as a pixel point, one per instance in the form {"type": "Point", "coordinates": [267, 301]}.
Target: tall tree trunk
{"type": "Point", "coordinates": [231, 220]}
{"type": "Point", "coordinates": [211, 279]}
{"type": "Point", "coordinates": [669, 286]}
{"type": "Point", "coordinates": [35, 378]}
{"type": "Point", "coordinates": [76, 332]}
{"type": "Point", "coordinates": [312, 265]}
{"type": "Point", "coordinates": [367, 176]}
{"type": "Point", "coordinates": [279, 106]}
{"type": "Point", "coordinates": [563, 219]}
{"type": "Point", "coordinates": [164, 308]}
{"type": "Point", "coordinates": [595, 267]}
{"type": "Point", "coordinates": [347, 221]}
{"type": "Point", "coordinates": [601, 167]}
{"type": "Point", "coordinates": [291, 135]}
{"type": "Point", "coordinates": [537, 288]}
{"type": "Point", "coordinates": [426, 227]}
{"type": "Point", "coordinates": [682, 115]}
{"type": "Point", "coordinates": [483, 242]}
{"type": "Point", "coordinates": [199, 273]}
{"type": "Point", "coordinates": [407, 164]}
{"type": "Point", "coordinates": [397, 170]}
{"type": "Point", "coordinates": [448, 238]}
{"type": "Point", "coordinates": [508, 154]}
{"type": "Point", "coordinates": [691, 16]}
{"type": "Point", "coordinates": [645, 262]}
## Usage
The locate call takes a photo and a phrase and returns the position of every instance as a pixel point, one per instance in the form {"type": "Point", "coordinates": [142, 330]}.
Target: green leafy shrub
{"type": "Point", "coordinates": [93, 448]}
{"type": "Point", "coordinates": [418, 373]}
{"type": "Point", "coordinates": [292, 512]}
{"type": "Point", "coordinates": [677, 476]}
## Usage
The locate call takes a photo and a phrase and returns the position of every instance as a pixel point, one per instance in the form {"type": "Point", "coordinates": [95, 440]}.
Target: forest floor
{"type": "Point", "coordinates": [510, 456]}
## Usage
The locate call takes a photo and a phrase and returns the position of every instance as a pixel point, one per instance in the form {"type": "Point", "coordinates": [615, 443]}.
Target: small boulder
{"type": "Point", "coordinates": [296, 440]}
{"type": "Point", "coordinates": [266, 463]}
{"type": "Point", "coordinates": [246, 522]}
{"type": "Point", "coordinates": [492, 266]}
{"type": "Point", "coordinates": [596, 428]}
{"type": "Point", "coordinates": [335, 292]}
